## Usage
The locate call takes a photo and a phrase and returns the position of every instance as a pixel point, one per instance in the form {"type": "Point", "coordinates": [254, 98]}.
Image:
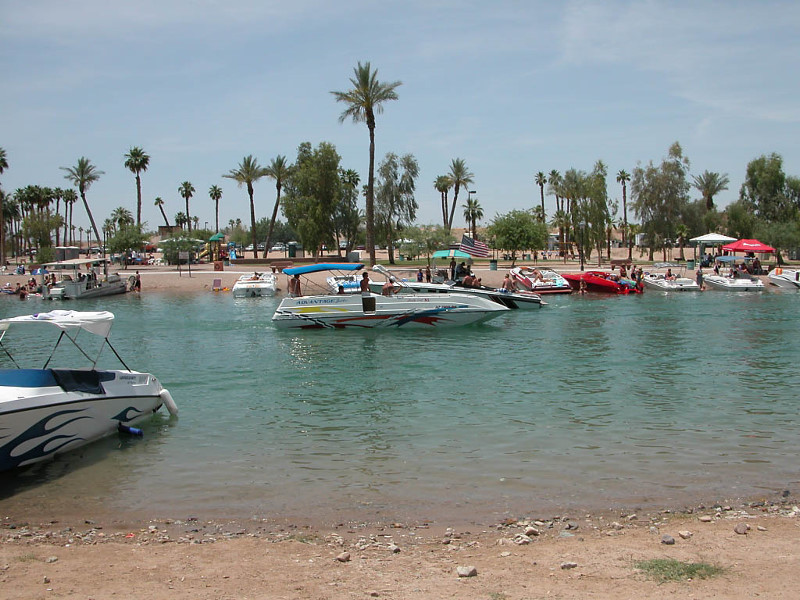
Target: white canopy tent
{"type": "Point", "coordinates": [711, 239]}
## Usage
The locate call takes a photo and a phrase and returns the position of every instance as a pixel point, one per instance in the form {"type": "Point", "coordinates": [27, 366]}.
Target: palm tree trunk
{"type": "Point", "coordinates": [91, 218]}
{"type": "Point", "coordinates": [253, 221]}
{"type": "Point", "coordinates": [163, 214]}
{"type": "Point", "coordinates": [272, 223]}
{"type": "Point", "coordinates": [189, 218]}
{"type": "Point", "coordinates": [370, 212]}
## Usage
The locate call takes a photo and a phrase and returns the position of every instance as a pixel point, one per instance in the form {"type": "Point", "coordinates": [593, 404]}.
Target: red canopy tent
{"type": "Point", "coordinates": [745, 245]}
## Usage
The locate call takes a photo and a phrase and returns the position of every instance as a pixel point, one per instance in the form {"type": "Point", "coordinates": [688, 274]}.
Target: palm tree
{"type": "Point", "coordinates": [443, 184]}
{"type": "Point", "coordinates": [137, 161]}
{"type": "Point", "coordinates": [120, 218]}
{"type": "Point", "coordinates": [215, 193]}
{"type": "Point", "coordinates": [186, 190]}
{"type": "Point", "coordinates": [709, 185]}
{"type": "Point", "coordinates": [70, 198]}
{"type": "Point", "coordinates": [160, 204]}
{"type": "Point", "coordinates": [279, 171]}
{"type": "Point", "coordinates": [473, 213]}
{"type": "Point", "coordinates": [248, 172]}
{"type": "Point", "coordinates": [3, 167]}
{"type": "Point", "coordinates": [363, 101]}
{"type": "Point", "coordinates": [623, 178]}
{"type": "Point", "coordinates": [460, 177]}
{"type": "Point", "coordinates": [82, 176]}
{"type": "Point", "coordinates": [180, 219]}
{"type": "Point", "coordinates": [540, 180]}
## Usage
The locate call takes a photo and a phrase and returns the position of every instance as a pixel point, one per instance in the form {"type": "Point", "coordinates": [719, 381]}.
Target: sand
{"type": "Point", "coordinates": [563, 556]}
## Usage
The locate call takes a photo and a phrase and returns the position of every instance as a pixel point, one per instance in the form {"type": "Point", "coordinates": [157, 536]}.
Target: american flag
{"type": "Point", "coordinates": [473, 247]}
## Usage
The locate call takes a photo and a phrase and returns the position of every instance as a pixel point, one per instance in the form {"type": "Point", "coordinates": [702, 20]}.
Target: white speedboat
{"type": "Point", "coordinates": [745, 283]}
{"type": "Point", "coordinates": [82, 278]}
{"type": "Point", "coordinates": [785, 278]}
{"type": "Point", "coordinates": [513, 300]}
{"type": "Point", "coordinates": [541, 281]}
{"type": "Point", "coordinates": [48, 411]}
{"type": "Point", "coordinates": [667, 282]}
{"type": "Point", "coordinates": [341, 311]}
{"type": "Point", "coordinates": [350, 282]}
{"type": "Point", "coordinates": [255, 285]}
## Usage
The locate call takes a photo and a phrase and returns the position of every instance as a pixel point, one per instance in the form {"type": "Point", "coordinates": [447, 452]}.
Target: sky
{"type": "Point", "coordinates": [511, 87]}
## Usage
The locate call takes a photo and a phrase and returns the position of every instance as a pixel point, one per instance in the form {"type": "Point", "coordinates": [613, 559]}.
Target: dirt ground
{"type": "Point", "coordinates": [575, 557]}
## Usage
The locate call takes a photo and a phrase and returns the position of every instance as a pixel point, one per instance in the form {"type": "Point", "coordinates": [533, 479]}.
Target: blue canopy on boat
{"type": "Point", "coordinates": [323, 267]}
{"type": "Point", "coordinates": [450, 254]}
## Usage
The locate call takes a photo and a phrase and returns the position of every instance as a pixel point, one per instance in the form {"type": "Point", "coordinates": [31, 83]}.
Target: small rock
{"type": "Point", "coordinates": [531, 531]}
{"type": "Point", "coordinates": [685, 534]}
{"type": "Point", "coordinates": [466, 571]}
{"type": "Point", "coordinates": [568, 565]}
{"type": "Point", "coordinates": [394, 548]}
{"type": "Point", "coordinates": [522, 539]}
{"type": "Point", "coordinates": [706, 519]}
{"type": "Point", "coordinates": [668, 540]}
{"type": "Point", "coordinates": [45, 579]}
{"type": "Point", "coordinates": [762, 528]}
{"type": "Point", "coordinates": [343, 557]}
{"type": "Point", "coordinates": [741, 528]}
{"type": "Point", "coordinates": [617, 526]}
{"type": "Point", "coordinates": [52, 559]}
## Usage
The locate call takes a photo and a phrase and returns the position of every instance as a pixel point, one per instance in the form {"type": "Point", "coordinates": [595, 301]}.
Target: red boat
{"type": "Point", "coordinates": [601, 281]}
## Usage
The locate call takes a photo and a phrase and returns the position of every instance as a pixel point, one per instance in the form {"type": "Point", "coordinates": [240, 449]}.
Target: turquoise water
{"type": "Point", "coordinates": [591, 402]}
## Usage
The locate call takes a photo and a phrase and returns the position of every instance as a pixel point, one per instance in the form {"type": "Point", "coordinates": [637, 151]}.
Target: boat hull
{"type": "Point", "coordinates": [598, 281]}
{"type": "Point", "coordinates": [785, 278]}
{"type": "Point", "coordinates": [523, 300]}
{"type": "Point", "coordinates": [681, 284]}
{"type": "Point", "coordinates": [733, 284]}
{"type": "Point", "coordinates": [406, 311]}
{"type": "Point", "coordinates": [44, 412]}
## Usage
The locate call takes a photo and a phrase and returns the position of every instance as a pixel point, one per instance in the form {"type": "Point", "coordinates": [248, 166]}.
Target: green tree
{"type": "Point", "coordinates": [160, 204]}
{"type": "Point", "coordinates": [186, 190]}
{"type": "Point", "coordinates": [395, 205]}
{"type": "Point", "coordinates": [660, 194]}
{"type": "Point", "coordinates": [623, 177]}
{"type": "Point", "coordinates": [215, 193]}
{"type": "Point", "coordinates": [82, 176]}
{"type": "Point", "coordinates": [247, 173]}
{"type": "Point", "coordinates": [740, 220]}
{"type": "Point", "coordinates": [541, 180]}
{"type": "Point", "coordinates": [366, 98]}
{"type": "Point", "coordinates": [425, 240]}
{"type": "Point", "coordinates": [311, 195]}
{"type": "Point", "coordinates": [709, 185]}
{"type": "Point", "coordinates": [347, 218]}
{"type": "Point", "coordinates": [278, 170]}
{"type": "Point", "coordinates": [764, 189]}
{"type": "Point", "coordinates": [683, 235]}
{"type": "Point", "coordinates": [125, 238]}
{"type": "Point", "coordinates": [517, 231]}
{"type": "Point", "coordinates": [473, 212]}
{"type": "Point", "coordinates": [460, 177]}
{"type": "Point", "coordinates": [136, 161]}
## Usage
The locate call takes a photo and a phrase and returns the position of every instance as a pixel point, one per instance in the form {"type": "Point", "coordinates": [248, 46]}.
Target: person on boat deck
{"type": "Point", "coordinates": [623, 272]}
{"type": "Point", "coordinates": [453, 269]}
{"type": "Point", "coordinates": [341, 290]}
{"type": "Point", "coordinates": [669, 276]}
{"type": "Point", "coordinates": [294, 287]}
{"type": "Point", "coordinates": [364, 284]}
{"type": "Point", "coordinates": [419, 275]}
{"type": "Point", "coordinates": [508, 284]}
{"type": "Point", "coordinates": [428, 274]}
{"type": "Point", "coordinates": [389, 288]}
{"type": "Point", "coordinates": [468, 280]}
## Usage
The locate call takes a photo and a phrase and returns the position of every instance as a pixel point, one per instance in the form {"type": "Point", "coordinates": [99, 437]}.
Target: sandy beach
{"type": "Point", "coordinates": [575, 555]}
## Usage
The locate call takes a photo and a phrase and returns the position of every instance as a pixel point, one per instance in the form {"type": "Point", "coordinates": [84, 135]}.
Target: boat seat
{"type": "Point", "coordinates": [74, 380]}
{"type": "Point", "coordinates": [27, 378]}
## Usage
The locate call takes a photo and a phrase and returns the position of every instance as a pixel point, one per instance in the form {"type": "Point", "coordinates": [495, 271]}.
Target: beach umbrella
{"type": "Point", "coordinates": [40, 271]}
